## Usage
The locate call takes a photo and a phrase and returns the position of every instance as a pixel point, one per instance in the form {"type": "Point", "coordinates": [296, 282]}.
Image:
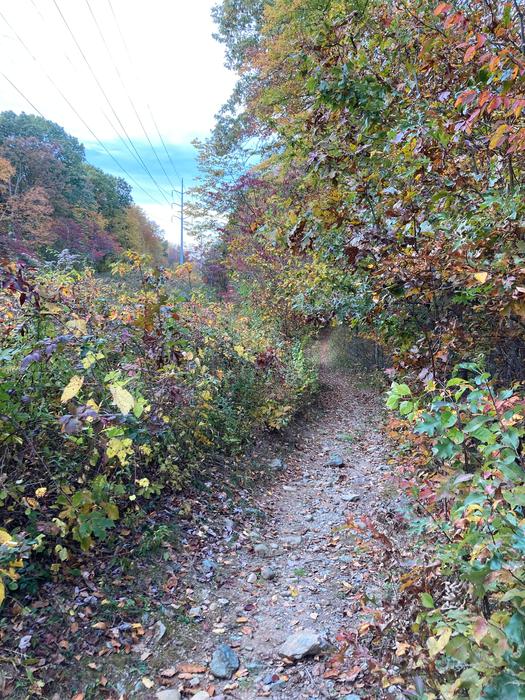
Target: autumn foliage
{"type": "Point", "coordinates": [384, 144]}
{"type": "Point", "coordinates": [113, 394]}
{"type": "Point", "coordinates": [52, 199]}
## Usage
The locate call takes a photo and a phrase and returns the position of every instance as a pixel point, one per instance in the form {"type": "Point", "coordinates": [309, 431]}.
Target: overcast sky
{"type": "Point", "coordinates": [163, 65]}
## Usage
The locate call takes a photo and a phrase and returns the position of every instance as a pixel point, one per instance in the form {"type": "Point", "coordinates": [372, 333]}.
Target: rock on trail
{"type": "Point", "coordinates": [224, 662]}
{"type": "Point", "coordinates": [301, 644]}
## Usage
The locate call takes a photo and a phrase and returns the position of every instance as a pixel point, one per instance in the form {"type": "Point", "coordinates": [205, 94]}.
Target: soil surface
{"type": "Point", "coordinates": [303, 566]}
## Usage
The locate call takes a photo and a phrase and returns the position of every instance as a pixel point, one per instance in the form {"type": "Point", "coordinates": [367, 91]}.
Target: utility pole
{"type": "Point", "coordinates": [180, 217]}
{"type": "Point", "coordinates": [181, 258]}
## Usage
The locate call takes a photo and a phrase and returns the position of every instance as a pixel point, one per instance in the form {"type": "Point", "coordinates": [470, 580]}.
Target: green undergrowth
{"type": "Point", "coordinates": [116, 392]}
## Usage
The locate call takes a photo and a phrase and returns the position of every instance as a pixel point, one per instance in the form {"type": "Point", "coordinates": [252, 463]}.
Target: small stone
{"type": "Point", "coordinates": [168, 694]}
{"type": "Point", "coordinates": [252, 578]}
{"type": "Point", "coordinates": [277, 464]}
{"type": "Point", "coordinates": [201, 695]}
{"type": "Point", "coordinates": [292, 539]}
{"type": "Point", "coordinates": [289, 488]}
{"type": "Point", "coordinates": [268, 573]}
{"type": "Point", "coordinates": [261, 549]}
{"type": "Point", "coordinates": [308, 517]}
{"type": "Point", "coordinates": [224, 662]}
{"type": "Point", "coordinates": [351, 497]}
{"type": "Point", "coordinates": [209, 565]}
{"type": "Point", "coordinates": [351, 696]}
{"type": "Point", "coordinates": [195, 612]}
{"type": "Point", "coordinates": [301, 644]}
{"type": "Point", "coordinates": [160, 631]}
{"type": "Point", "coordinates": [335, 460]}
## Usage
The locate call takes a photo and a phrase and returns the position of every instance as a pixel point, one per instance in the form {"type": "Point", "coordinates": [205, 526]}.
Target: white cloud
{"type": "Point", "coordinates": [176, 67]}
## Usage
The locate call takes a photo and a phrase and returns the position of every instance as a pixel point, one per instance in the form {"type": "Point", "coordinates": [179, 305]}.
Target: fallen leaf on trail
{"type": "Point", "coordinates": [168, 672]}
{"type": "Point", "coordinates": [231, 686]}
{"type": "Point", "coordinates": [185, 668]}
{"type": "Point", "coordinates": [147, 682]}
{"type": "Point", "coordinates": [402, 648]}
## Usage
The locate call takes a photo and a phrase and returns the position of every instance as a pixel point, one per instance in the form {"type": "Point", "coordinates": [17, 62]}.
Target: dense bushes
{"type": "Point", "coordinates": [471, 484]}
{"type": "Point", "coordinates": [113, 391]}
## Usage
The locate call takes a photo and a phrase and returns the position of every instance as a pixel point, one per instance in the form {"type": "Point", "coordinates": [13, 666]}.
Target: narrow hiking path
{"type": "Point", "coordinates": [300, 569]}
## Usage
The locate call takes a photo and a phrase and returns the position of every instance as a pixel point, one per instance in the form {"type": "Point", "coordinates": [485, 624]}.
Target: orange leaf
{"type": "Point", "coordinates": [191, 668]}
{"type": "Point", "coordinates": [479, 629]}
{"type": "Point", "coordinates": [469, 54]}
{"type": "Point", "coordinates": [441, 8]}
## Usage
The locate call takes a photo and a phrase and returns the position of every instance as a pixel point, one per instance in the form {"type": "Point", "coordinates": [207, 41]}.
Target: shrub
{"type": "Point", "coordinates": [113, 390]}
{"type": "Point", "coordinates": [474, 492]}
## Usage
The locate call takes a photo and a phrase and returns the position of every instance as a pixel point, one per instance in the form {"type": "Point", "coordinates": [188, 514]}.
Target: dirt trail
{"type": "Point", "coordinates": [310, 574]}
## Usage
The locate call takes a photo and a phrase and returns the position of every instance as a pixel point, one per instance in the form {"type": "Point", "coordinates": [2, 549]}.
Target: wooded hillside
{"type": "Point", "coordinates": [52, 199]}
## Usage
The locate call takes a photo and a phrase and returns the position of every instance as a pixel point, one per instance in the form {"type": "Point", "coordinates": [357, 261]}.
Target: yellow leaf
{"type": "Point", "coordinates": [402, 648]}
{"type": "Point", "coordinates": [437, 644]}
{"type": "Point", "coordinates": [78, 326]}
{"type": "Point", "coordinates": [147, 682]}
{"type": "Point", "coordinates": [72, 389]}
{"type": "Point", "coordinates": [2, 591]}
{"type": "Point", "coordinates": [122, 399]}
{"type": "Point", "coordinates": [499, 136]}
{"type": "Point", "coordinates": [41, 492]}
{"type": "Point", "coordinates": [5, 538]}
{"type": "Point", "coordinates": [481, 277]}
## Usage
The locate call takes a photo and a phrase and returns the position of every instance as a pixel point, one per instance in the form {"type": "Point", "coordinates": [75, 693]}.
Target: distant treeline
{"type": "Point", "coordinates": [52, 199]}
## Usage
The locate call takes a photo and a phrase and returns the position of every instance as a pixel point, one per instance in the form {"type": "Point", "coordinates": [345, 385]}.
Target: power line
{"type": "Point", "coordinates": [71, 106]}
{"type": "Point", "coordinates": [101, 88]}
{"type": "Point", "coordinates": [130, 58]}
{"type": "Point", "coordinates": [22, 94]}
{"type": "Point", "coordinates": [132, 103]}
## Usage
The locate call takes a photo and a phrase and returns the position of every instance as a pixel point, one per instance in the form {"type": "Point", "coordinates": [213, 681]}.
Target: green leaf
{"type": "Point", "coordinates": [504, 687]}
{"type": "Point", "coordinates": [516, 496]}
{"type": "Point", "coordinates": [427, 601]}
{"type": "Point", "coordinates": [476, 422]}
